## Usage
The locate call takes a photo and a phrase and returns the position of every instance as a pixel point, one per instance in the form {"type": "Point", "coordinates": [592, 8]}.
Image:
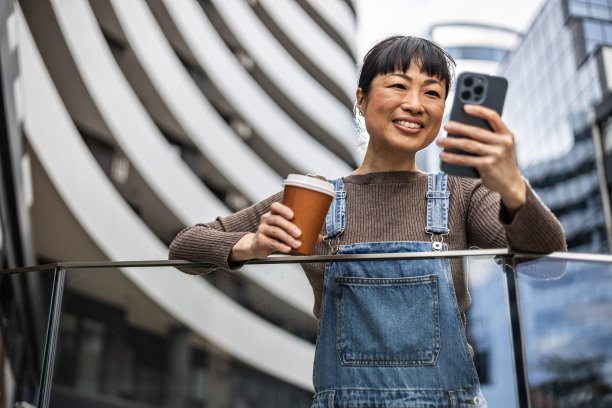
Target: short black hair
{"type": "Point", "coordinates": [398, 52]}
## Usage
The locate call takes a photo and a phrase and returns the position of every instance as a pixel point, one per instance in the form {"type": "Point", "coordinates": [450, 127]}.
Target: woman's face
{"type": "Point", "coordinates": [403, 110]}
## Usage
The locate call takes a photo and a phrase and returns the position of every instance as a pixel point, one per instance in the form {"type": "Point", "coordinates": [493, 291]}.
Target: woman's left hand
{"type": "Point", "coordinates": [492, 154]}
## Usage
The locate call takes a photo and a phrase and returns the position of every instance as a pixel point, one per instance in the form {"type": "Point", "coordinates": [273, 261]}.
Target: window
{"type": "Point", "coordinates": [593, 30]}
{"type": "Point", "coordinates": [578, 8]}
{"type": "Point", "coordinates": [600, 12]}
{"type": "Point", "coordinates": [608, 33]}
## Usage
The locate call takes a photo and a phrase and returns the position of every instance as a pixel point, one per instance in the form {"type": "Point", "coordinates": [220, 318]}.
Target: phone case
{"type": "Point", "coordinates": [477, 89]}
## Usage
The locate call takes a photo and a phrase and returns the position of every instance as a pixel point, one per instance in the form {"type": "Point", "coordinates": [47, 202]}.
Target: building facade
{"type": "Point", "coordinates": [137, 119]}
{"type": "Point", "coordinates": [556, 108]}
{"type": "Point", "coordinates": [554, 86]}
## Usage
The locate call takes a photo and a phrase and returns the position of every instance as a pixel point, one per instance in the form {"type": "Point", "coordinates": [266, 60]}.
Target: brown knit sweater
{"type": "Point", "coordinates": [392, 206]}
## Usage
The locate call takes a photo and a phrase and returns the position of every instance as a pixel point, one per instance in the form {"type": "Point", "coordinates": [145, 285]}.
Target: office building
{"type": "Point", "coordinates": [556, 107]}
{"type": "Point", "coordinates": [554, 86]}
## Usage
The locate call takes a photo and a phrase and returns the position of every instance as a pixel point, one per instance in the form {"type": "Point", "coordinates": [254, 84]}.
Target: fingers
{"type": "Point", "coordinates": [481, 163]}
{"type": "Point", "coordinates": [478, 141]}
{"type": "Point", "coordinates": [279, 229]}
{"type": "Point", "coordinates": [491, 116]}
{"type": "Point", "coordinates": [468, 145]}
{"type": "Point", "coordinates": [276, 232]}
{"type": "Point", "coordinates": [491, 152]}
{"type": "Point", "coordinates": [280, 216]}
{"type": "Point", "coordinates": [498, 127]}
{"type": "Point", "coordinates": [266, 243]}
{"type": "Point", "coordinates": [282, 210]}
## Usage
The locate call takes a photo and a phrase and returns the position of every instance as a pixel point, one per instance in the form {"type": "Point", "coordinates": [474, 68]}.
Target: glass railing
{"type": "Point", "coordinates": [145, 334]}
{"type": "Point", "coordinates": [25, 300]}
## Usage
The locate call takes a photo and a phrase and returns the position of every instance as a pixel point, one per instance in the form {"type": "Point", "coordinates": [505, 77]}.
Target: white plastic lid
{"type": "Point", "coordinates": [311, 183]}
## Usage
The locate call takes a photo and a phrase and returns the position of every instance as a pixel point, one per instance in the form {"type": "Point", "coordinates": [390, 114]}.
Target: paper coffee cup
{"type": "Point", "coordinates": [309, 199]}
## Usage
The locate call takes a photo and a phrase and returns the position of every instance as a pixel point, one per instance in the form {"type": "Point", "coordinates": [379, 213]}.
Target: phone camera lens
{"type": "Point", "coordinates": [478, 89]}
{"type": "Point", "coordinates": [466, 95]}
{"type": "Point", "coordinates": [468, 81]}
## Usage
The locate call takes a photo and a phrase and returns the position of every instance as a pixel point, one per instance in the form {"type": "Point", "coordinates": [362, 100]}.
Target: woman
{"type": "Point", "coordinates": [391, 333]}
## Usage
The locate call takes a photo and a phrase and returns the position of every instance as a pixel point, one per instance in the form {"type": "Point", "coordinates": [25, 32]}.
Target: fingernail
{"type": "Point", "coordinates": [296, 244]}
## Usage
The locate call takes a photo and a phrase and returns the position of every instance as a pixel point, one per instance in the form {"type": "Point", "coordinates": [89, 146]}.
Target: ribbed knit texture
{"type": "Point", "coordinates": [392, 206]}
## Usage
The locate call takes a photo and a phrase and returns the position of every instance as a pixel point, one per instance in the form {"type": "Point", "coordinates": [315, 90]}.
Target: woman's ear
{"type": "Point", "coordinates": [361, 101]}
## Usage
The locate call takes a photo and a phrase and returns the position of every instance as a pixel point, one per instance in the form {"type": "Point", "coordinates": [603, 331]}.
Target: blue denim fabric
{"type": "Point", "coordinates": [396, 399]}
{"type": "Point", "coordinates": [437, 204]}
{"type": "Point", "coordinates": [334, 220]}
{"type": "Point", "coordinates": [390, 333]}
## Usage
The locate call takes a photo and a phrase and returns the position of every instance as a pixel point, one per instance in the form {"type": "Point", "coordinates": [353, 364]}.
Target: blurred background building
{"type": "Point", "coordinates": [124, 121]}
{"type": "Point", "coordinates": [558, 106]}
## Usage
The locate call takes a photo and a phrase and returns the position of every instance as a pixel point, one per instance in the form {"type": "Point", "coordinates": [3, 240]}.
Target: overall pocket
{"type": "Point", "coordinates": [388, 321]}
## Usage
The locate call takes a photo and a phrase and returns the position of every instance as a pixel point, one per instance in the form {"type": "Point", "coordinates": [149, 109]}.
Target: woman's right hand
{"type": "Point", "coordinates": [275, 233]}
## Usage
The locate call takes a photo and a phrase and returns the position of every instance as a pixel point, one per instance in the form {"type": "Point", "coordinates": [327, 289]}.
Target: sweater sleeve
{"type": "Point", "coordinates": [532, 229]}
{"type": "Point", "coordinates": [212, 242]}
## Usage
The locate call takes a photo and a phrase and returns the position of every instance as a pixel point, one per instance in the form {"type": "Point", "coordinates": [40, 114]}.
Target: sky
{"type": "Point", "coordinates": [380, 18]}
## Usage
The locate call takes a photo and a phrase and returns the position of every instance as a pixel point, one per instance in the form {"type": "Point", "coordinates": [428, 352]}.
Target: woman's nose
{"type": "Point", "coordinates": [412, 102]}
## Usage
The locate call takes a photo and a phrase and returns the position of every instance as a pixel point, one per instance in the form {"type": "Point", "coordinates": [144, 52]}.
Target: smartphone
{"type": "Point", "coordinates": [476, 89]}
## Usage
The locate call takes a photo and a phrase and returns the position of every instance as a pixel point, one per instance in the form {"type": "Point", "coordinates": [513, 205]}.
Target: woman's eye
{"type": "Point", "coordinates": [433, 93]}
{"type": "Point", "coordinates": [399, 86]}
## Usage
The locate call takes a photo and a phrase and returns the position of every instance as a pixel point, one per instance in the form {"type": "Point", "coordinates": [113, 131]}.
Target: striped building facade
{"type": "Point", "coordinates": [137, 118]}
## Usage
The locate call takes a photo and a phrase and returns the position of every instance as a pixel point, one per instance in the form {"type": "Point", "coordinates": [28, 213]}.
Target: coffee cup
{"type": "Point", "coordinates": [309, 199]}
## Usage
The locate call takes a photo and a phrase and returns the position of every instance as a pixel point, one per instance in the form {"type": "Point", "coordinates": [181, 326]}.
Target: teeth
{"type": "Point", "coordinates": [408, 124]}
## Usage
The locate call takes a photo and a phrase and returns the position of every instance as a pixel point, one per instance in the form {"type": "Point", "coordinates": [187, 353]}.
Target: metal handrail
{"type": "Point", "coordinates": [287, 259]}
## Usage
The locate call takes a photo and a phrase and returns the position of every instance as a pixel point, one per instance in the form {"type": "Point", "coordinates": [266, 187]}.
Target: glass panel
{"type": "Point", "coordinates": [608, 33]}
{"type": "Point", "coordinates": [592, 30]}
{"type": "Point", "coordinates": [600, 12]}
{"type": "Point", "coordinates": [591, 45]}
{"type": "Point", "coordinates": [153, 337]}
{"type": "Point", "coordinates": [578, 8]}
{"type": "Point", "coordinates": [157, 337]}
{"type": "Point", "coordinates": [24, 309]}
{"type": "Point", "coordinates": [489, 332]}
{"type": "Point", "coordinates": [566, 308]}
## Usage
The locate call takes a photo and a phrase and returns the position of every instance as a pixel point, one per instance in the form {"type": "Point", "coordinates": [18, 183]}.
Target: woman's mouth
{"type": "Point", "coordinates": [410, 125]}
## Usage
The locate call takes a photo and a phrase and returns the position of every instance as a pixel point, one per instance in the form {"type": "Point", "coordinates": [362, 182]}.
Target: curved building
{"type": "Point", "coordinates": [141, 117]}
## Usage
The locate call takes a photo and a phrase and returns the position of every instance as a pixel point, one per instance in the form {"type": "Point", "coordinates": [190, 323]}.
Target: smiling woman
{"type": "Point", "coordinates": [403, 113]}
{"type": "Point", "coordinates": [392, 333]}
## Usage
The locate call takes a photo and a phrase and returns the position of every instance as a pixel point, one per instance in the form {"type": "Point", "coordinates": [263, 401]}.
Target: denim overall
{"type": "Point", "coordinates": [390, 333]}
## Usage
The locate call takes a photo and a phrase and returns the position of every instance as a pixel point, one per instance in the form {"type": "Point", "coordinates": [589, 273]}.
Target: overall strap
{"type": "Point", "coordinates": [437, 204]}
{"type": "Point", "coordinates": [335, 219]}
